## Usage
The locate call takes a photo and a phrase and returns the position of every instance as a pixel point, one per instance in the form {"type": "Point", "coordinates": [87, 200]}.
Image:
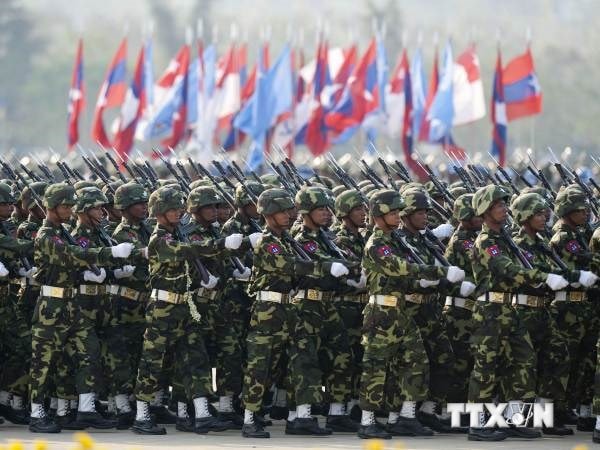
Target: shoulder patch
{"type": "Point", "coordinates": [310, 246]}
{"type": "Point", "coordinates": [274, 249]}
{"type": "Point", "coordinates": [468, 244]}
{"type": "Point", "coordinates": [167, 237]}
{"type": "Point", "coordinates": [131, 235]}
{"type": "Point", "coordinates": [528, 255]}
{"type": "Point", "coordinates": [57, 240]}
{"type": "Point", "coordinates": [195, 237]}
{"type": "Point", "coordinates": [384, 250]}
{"type": "Point", "coordinates": [83, 242]}
{"type": "Point", "coordinates": [493, 251]}
{"type": "Point", "coordinates": [573, 246]}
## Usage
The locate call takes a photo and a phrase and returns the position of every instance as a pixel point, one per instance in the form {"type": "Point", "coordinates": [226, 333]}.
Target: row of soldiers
{"type": "Point", "coordinates": [349, 303]}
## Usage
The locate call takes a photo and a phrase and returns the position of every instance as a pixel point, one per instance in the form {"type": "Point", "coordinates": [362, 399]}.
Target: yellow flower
{"type": "Point", "coordinates": [17, 445]}
{"type": "Point", "coordinates": [40, 445]}
{"type": "Point", "coordinates": [375, 444]}
{"type": "Point", "coordinates": [84, 440]}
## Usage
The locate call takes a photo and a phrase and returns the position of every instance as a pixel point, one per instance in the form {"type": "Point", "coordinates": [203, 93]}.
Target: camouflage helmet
{"type": "Point", "coordinates": [463, 207]}
{"type": "Point", "coordinates": [415, 200]}
{"type": "Point", "coordinates": [338, 189]}
{"type": "Point", "coordinates": [84, 184]}
{"type": "Point", "coordinates": [412, 185]}
{"type": "Point", "coordinates": [39, 187]}
{"type": "Point", "coordinates": [242, 198]}
{"type": "Point", "coordinates": [6, 194]}
{"type": "Point", "coordinates": [487, 195]}
{"type": "Point", "coordinates": [59, 194]}
{"type": "Point", "coordinates": [570, 199]}
{"type": "Point", "coordinates": [310, 198]}
{"type": "Point", "coordinates": [108, 191]}
{"type": "Point", "coordinates": [526, 205]}
{"type": "Point", "coordinates": [457, 191]}
{"type": "Point", "coordinates": [347, 201]}
{"type": "Point", "coordinates": [200, 182]}
{"type": "Point", "coordinates": [270, 179]}
{"type": "Point", "coordinates": [324, 181]}
{"type": "Point", "coordinates": [274, 200]}
{"type": "Point", "coordinates": [129, 194]}
{"type": "Point", "coordinates": [89, 197]}
{"type": "Point", "coordinates": [433, 190]}
{"type": "Point", "coordinates": [202, 196]}
{"type": "Point", "coordinates": [163, 199]}
{"type": "Point", "coordinates": [384, 201]}
{"type": "Point", "coordinates": [363, 183]}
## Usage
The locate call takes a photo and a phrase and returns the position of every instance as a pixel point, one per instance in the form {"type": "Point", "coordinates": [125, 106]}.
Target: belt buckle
{"type": "Point", "coordinates": [389, 300]}
{"type": "Point", "coordinates": [576, 296]}
{"type": "Point", "coordinates": [171, 297]}
{"type": "Point", "coordinates": [129, 293]}
{"type": "Point", "coordinates": [497, 297]}
{"type": "Point", "coordinates": [57, 292]}
{"type": "Point", "coordinates": [312, 294]}
{"type": "Point", "coordinates": [532, 301]}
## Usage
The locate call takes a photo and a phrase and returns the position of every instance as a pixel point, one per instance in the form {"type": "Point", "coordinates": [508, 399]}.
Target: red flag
{"type": "Point", "coordinates": [76, 98]}
{"type": "Point", "coordinates": [522, 91]}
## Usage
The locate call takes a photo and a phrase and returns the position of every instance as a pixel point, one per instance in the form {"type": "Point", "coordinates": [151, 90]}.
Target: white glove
{"type": "Point", "coordinates": [244, 275]}
{"type": "Point", "coordinates": [556, 282]}
{"type": "Point", "coordinates": [88, 275]}
{"type": "Point", "coordinates": [455, 274]}
{"type": "Point", "coordinates": [360, 284]}
{"type": "Point", "coordinates": [211, 283]}
{"type": "Point", "coordinates": [254, 238]}
{"type": "Point", "coordinates": [443, 231]}
{"type": "Point", "coordinates": [3, 270]}
{"type": "Point", "coordinates": [467, 288]}
{"type": "Point", "coordinates": [122, 250]}
{"type": "Point", "coordinates": [587, 278]}
{"type": "Point", "coordinates": [27, 273]}
{"type": "Point", "coordinates": [124, 272]}
{"type": "Point", "coordinates": [145, 252]}
{"type": "Point", "coordinates": [428, 283]}
{"type": "Point", "coordinates": [233, 241]}
{"type": "Point", "coordinates": [338, 269]}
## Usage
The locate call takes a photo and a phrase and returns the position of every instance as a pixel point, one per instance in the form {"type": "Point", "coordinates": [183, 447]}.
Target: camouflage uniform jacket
{"type": "Point", "coordinates": [89, 237]}
{"type": "Point", "coordinates": [11, 249]}
{"type": "Point", "coordinates": [352, 244]}
{"type": "Point", "coordinates": [129, 232]}
{"type": "Point", "coordinates": [459, 252]}
{"type": "Point", "coordinates": [497, 269]}
{"type": "Point", "coordinates": [59, 264]}
{"type": "Point", "coordinates": [28, 229]}
{"type": "Point", "coordinates": [573, 249]}
{"type": "Point", "coordinates": [313, 244]}
{"type": "Point", "coordinates": [170, 260]}
{"type": "Point", "coordinates": [421, 248]}
{"type": "Point", "coordinates": [277, 267]}
{"type": "Point", "coordinates": [237, 224]}
{"type": "Point", "coordinates": [388, 269]}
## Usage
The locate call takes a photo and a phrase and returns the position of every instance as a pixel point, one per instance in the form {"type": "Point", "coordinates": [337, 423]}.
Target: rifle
{"type": "Point", "coordinates": [514, 248]}
{"type": "Point", "coordinates": [43, 168]}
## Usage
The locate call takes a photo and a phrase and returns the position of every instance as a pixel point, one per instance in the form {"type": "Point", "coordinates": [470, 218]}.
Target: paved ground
{"type": "Point", "coordinates": [125, 440]}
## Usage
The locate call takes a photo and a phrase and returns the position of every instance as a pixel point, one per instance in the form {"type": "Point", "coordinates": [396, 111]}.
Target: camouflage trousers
{"type": "Point", "coordinates": [596, 401]}
{"type": "Point", "coordinates": [552, 372]}
{"type": "Point", "coordinates": [58, 323]}
{"type": "Point", "coordinates": [123, 338]}
{"type": "Point", "coordinates": [27, 298]}
{"type": "Point", "coordinates": [269, 339]}
{"type": "Point", "coordinates": [395, 365]}
{"type": "Point", "coordinates": [459, 326]}
{"type": "Point", "coordinates": [578, 323]}
{"type": "Point", "coordinates": [171, 330]}
{"type": "Point", "coordinates": [15, 345]}
{"type": "Point", "coordinates": [504, 358]}
{"type": "Point", "coordinates": [352, 316]}
{"type": "Point", "coordinates": [321, 354]}
{"type": "Point", "coordinates": [429, 319]}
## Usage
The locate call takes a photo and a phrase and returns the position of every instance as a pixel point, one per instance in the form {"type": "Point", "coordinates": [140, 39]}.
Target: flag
{"type": "Point", "coordinates": [395, 98]}
{"type": "Point", "coordinates": [170, 96]}
{"type": "Point", "coordinates": [498, 115]}
{"type": "Point", "coordinates": [315, 133]}
{"type": "Point", "coordinates": [441, 113]}
{"type": "Point", "coordinates": [469, 101]}
{"type": "Point", "coordinates": [418, 93]}
{"type": "Point", "coordinates": [179, 118]}
{"type": "Point", "coordinates": [111, 93]}
{"type": "Point", "coordinates": [149, 72]}
{"type": "Point", "coordinates": [131, 109]}
{"type": "Point", "coordinates": [272, 97]}
{"type": "Point", "coordinates": [228, 93]}
{"type": "Point", "coordinates": [434, 81]}
{"type": "Point", "coordinates": [522, 91]}
{"type": "Point", "coordinates": [76, 98]}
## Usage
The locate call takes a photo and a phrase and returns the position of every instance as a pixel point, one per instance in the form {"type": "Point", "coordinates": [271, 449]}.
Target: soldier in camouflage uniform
{"type": "Point", "coordinates": [575, 314]}
{"type": "Point", "coordinates": [57, 318]}
{"type": "Point", "coordinates": [458, 309]}
{"type": "Point", "coordinates": [595, 247]}
{"type": "Point", "coordinates": [30, 290]}
{"type": "Point", "coordinates": [169, 320]}
{"type": "Point", "coordinates": [391, 339]}
{"type": "Point", "coordinates": [529, 211]}
{"type": "Point", "coordinates": [423, 305]}
{"type": "Point", "coordinates": [129, 299]}
{"type": "Point", "coordinates": [351, 211]}
{"type": "Point", "coordinates": [322, 355]}
{"type": "Point", "coordinates": [14, 334]}
{"type": "Point", "coordinates": [504, 358]}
